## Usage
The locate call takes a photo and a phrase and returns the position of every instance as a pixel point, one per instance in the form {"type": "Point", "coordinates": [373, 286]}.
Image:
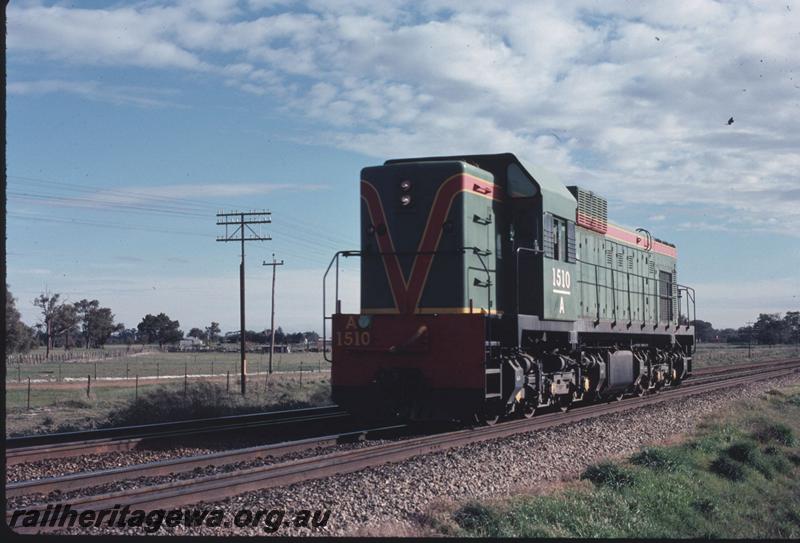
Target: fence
{"type": "Point", "coordinates": [73, 355]}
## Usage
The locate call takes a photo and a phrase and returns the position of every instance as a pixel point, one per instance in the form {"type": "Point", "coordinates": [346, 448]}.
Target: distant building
{"type": "Point", "coordinates": [190, 344]}
{"type": "Point", "coordinates": [278, 348]}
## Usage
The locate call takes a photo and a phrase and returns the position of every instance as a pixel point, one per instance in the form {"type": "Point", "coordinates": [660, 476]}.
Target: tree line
{"type": "Point", "coordinates": [86, 324]}
{"type": "Point", "coordinates": [767, 329]}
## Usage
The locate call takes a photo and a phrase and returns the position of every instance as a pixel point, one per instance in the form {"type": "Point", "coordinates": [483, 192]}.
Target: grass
{"type": "Point", "coordinates": [67, 409]}
{"type": "Point", "coordinates": [738, 476]}
{"type": "Point", "coordinates": [724, 354]}
{"type": "Point", "coordinates": [164, 363]}
{"type": "Point", "coordinates": [58, 394]}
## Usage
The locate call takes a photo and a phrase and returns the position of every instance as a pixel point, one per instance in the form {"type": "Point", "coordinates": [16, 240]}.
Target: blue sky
{"type": "Point", "coordinates": [130, 124]}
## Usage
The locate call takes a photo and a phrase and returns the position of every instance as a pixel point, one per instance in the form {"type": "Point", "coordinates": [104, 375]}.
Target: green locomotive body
{"type": "Point", "coordinates": [491, 289]}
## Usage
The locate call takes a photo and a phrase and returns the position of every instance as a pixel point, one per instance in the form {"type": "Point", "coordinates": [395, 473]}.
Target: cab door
{"type": "Point", "coordinates": [525, 241]}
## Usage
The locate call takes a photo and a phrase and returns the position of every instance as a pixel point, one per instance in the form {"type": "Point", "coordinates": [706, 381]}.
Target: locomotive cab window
{"type": "Point", "coordinates": [559, 238]}
{"type": "Point", "coordinates": [519, 184]}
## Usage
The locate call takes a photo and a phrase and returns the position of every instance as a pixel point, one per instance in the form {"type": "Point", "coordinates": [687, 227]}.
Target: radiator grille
{"type": "Point", "coordinates": [592, 210]}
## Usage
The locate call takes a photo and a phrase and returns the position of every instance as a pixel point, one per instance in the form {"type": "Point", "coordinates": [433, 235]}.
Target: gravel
{"type": "Point", "coordinates": [390, 500]}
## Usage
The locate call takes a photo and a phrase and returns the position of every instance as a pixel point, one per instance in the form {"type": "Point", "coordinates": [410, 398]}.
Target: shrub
{"type": "Point", "coordinates": [657, 459]}
{"type": "Point", "coordinates": [609, 475]}
{"type": "Point", "coordinates": [776, 432]}
{"type": "Point", "coordinates": [473, 516]}
{"type": "Point", "coordinates": [743, 451]}
{"type": "Point", "coordinates": [730, 469]}
{"type": "Point", "coordinates": [706, 507]}
{"type": "Point", "coordinates": [203, 399]}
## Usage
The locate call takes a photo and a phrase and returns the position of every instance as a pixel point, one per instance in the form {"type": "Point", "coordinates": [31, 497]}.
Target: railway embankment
{"type": "Point", "coordinates": [735, 476]}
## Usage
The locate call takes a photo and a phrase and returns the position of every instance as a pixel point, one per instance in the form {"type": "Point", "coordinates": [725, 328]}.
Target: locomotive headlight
{"type": "Point", "coordinates": [364, 321]}
{"type": "Point", "coordinates": [405, 186]}
{"type": "Point", "coordinates": [405, 200]}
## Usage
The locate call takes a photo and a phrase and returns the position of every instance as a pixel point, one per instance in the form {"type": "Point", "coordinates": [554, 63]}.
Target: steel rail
{"type": "Point", "coordinates": [220, 486]}
{"type": "Point", "coordinates": [179, 465]}
{"type": "Point", "coordinates": [32, 448]}
{"type": "Point", "coordinates": [176, 465]}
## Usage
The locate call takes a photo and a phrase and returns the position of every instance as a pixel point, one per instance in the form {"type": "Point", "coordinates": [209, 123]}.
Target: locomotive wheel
{"type": "Point", "coordinates": [564, 402]}
{"type": "Point", "coordinates": [527, 411]}
{"type": "Point", "coordinates": [487, 416]}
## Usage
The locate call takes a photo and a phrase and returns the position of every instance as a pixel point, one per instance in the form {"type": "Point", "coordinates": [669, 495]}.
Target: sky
{"type": "Point", "coordinates": [131, 124]}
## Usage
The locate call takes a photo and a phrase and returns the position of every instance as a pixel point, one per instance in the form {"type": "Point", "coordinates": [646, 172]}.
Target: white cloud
{"type": "Point", "coordinates": [582, 88]}
{"type": "Point", "coordinates": [94, 91]}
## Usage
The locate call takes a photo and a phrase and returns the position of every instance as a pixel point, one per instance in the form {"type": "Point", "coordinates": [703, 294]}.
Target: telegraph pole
{"type": "Point", "coordinates": [241, 223]}
{"type": "Point", "coordinates": [749, 337]}
{"type": "Point", "coordinates": [274, 265]}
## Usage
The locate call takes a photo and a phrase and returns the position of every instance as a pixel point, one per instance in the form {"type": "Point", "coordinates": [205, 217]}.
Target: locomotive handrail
{"type": "Point", "coordinates": [689, 298]}
{"type": "Point", "coordinates": [325, 316]}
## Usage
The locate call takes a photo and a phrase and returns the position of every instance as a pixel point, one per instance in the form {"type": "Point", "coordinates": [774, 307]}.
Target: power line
{"type": "Point", "coordinates": [318, 241]}
{"type": "Point", "coordinates": [193, 204]}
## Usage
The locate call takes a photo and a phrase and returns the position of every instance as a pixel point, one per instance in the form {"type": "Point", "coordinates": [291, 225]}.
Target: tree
{"type": "Point", "coordinates": [125, 336]}
{"type": "Point", "coordinates": [67, 320]}
{"type": "Point", "coordinates": [196, 332]}
{"type": "Point", "coordinates": [770, 329]}
{"type": "Point", "coordinates": [100, 325]}
{"type": "Point", "coordinates": [57, 319]}
{"type": "Point", "coordinates": [19, 336]}
{"type": "Point", "coordinates": [280, 337]}
{"type": "Point", "coordinates": [84, 309]}
{"type": "Point", "coordinates": [792, 323]}
{"type": "Point", "coordinates": [160, 329]}
{"type": "Point", "coordinates": [703, 330]}
{"type": "Point", "coordinates": [213, 332]}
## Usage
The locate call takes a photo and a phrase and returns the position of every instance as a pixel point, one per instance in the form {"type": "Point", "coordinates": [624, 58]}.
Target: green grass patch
{"type": "Point", "coordinates": [63, 410]}
{"type": "Point", "coordinates": [737, 477]}
{"type": "Point", "coordinates": [660, 459]}
{"type": "Point", "coordinates": [609, 475]}
{"type": "Point", "coordinates": [723, 354]}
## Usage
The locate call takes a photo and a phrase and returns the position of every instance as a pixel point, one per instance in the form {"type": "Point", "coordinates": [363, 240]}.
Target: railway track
{"type": "Point", "coordinates": [126, 438]}
{"type": "Point", "coordinates": [222, 485]}
{"type": "Point", "coordinates": [68, 444]}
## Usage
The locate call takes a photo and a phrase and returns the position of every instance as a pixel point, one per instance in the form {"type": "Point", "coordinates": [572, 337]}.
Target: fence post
{"type": "Point", "coordinates": [95, 371]}
{"type": "Point", "coordinates": [126, 370]}
{"type": "Point", "coordinates": [88, 385]}
{"type": "Point", "coordinates": [185, 382]}
{"type": "Point", "coordinates": [19, 373]}
{"type": "Point", "coordinates": [212, 368]}
{"type": "Point", "coordinates": [301, 374]}
{"type": "Point", "coordinates": [228, 386]}
{"type": "Point", "coordinates": [29, 393]}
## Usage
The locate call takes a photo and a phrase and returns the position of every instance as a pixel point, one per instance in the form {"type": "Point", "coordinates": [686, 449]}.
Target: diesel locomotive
{"type": "Point", "coordinates": [490, 289]}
